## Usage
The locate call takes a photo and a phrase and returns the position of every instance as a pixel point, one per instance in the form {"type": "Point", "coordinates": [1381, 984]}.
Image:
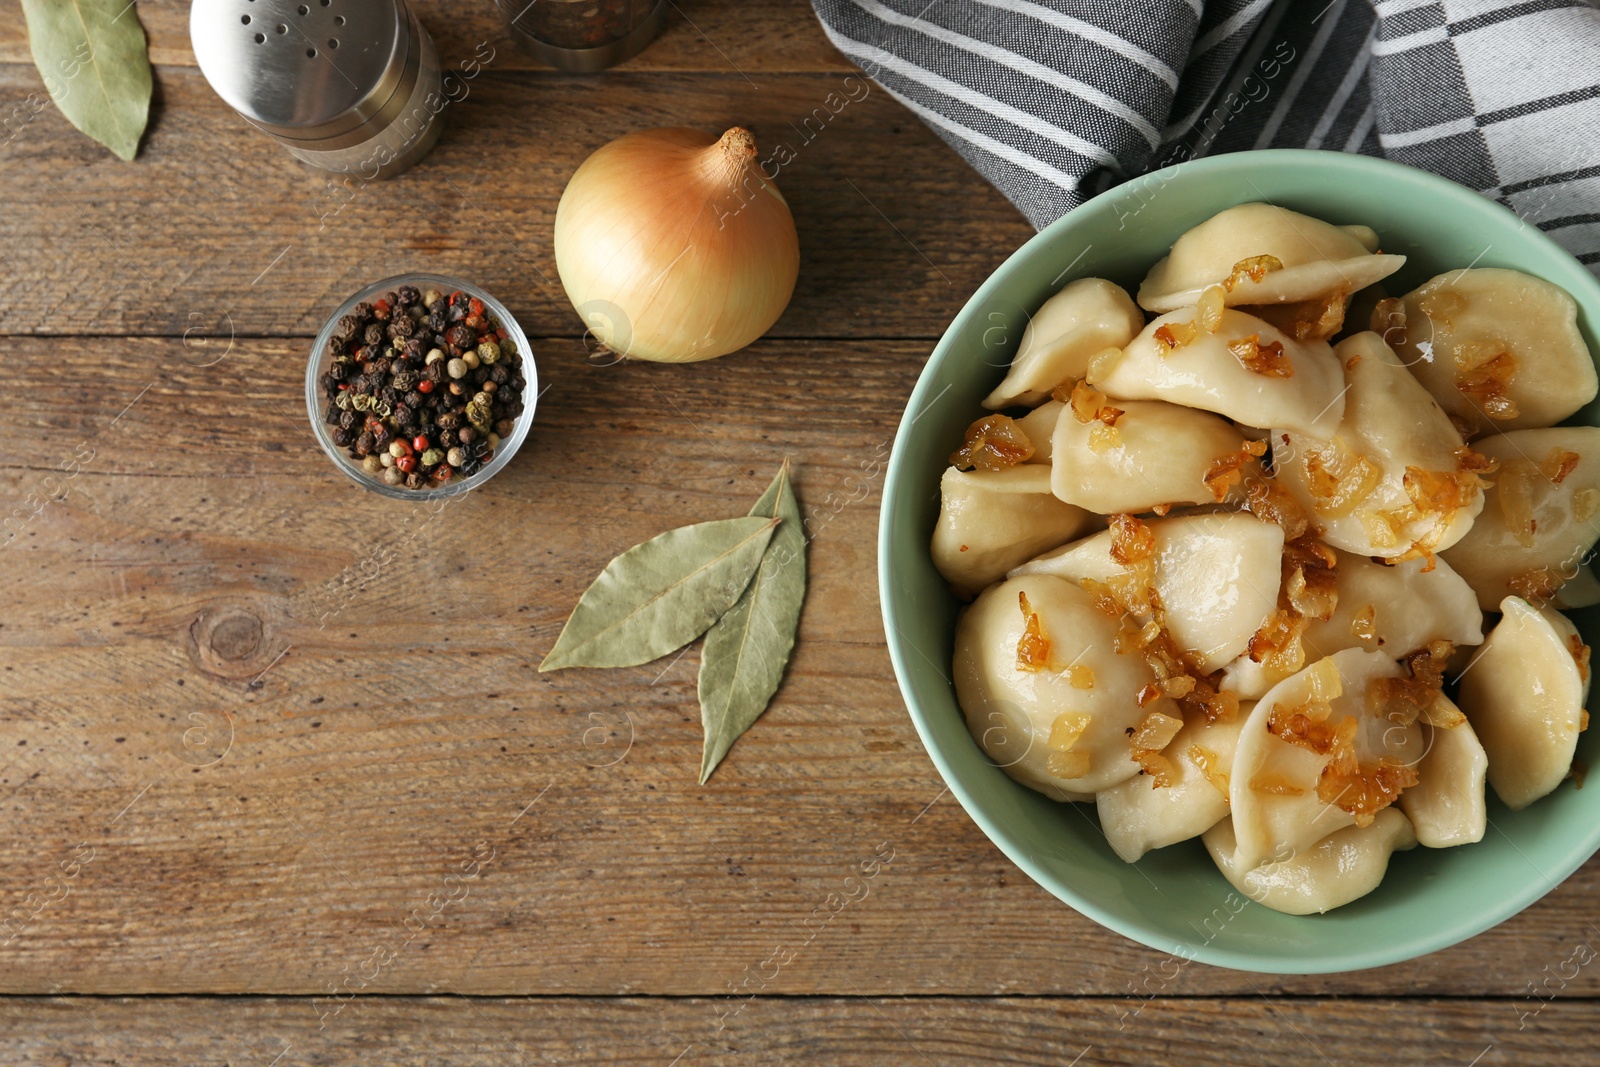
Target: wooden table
{"type": "Point", "coordinates": [268, 742]}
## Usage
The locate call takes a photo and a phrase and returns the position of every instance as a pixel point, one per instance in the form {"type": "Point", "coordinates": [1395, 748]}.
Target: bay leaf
{"type": "Point", "coordinates": [660, 595]}
{"type": "Point", "coordinates": [747, 649]}
{"type": "Point", "coordinates": [92, 56]}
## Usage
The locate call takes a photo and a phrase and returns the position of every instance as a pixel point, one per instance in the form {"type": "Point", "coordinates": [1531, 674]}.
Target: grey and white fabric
{"type": "Point", "coordinates": [1056, 100]}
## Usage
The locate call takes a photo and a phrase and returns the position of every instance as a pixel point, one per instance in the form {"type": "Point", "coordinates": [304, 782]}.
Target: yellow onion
{"type": "Point", "coordinates": [674, 246]}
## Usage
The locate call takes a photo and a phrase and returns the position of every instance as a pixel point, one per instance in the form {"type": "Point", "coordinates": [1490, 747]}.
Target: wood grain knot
{"type": "Point", "coordinates": [236, 641]}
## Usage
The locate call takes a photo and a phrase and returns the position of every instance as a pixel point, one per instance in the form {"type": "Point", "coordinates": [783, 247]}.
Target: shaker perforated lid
{"type": "Point", "coordinates": [327, 72]}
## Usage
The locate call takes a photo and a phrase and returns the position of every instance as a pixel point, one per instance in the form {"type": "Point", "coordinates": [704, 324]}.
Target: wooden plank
{"type": "Point", "coordinates": [215, 224]}
{"type": "Point", "coordinates": [279, 714]}
{"type": "Point", "coordinates": [752, 36]}
{"type": "Point", "coordinates": [1042, 1031]}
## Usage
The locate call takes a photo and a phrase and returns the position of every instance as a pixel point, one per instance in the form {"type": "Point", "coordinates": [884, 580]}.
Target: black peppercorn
{"type": "Point", "coordinates": [340, 370]}
{"type": "Point", "coordinates": [382, 436]}
{"type": "Point", "coordinates": [461, 337]}
{"type": "Point", "coordinates": [413, 349]}
{"type": "Point", "coordinates": [450, 420]}
{"type": "Point", "coordinates": [413, 399]}
{"type": "Point", "coordinates": [367, 353]}
{"type": "Point", "coordinates": [434, 371]}
{"type": "Point", "coordinates": [407, 295]}
{"type": "Point", "coordinates": [414, 480]}
{"type": "Point", "coordinates": [373, 334]}
{"type": "Point", "coordinates": [342, 438]}
{"type": "Point", "coordinates": [402, 326]}
{"type": "Point", "coordinates": [436, 321]}
{"type": "Point", "coordinates": [498, 374]}
{"type": "Point", "coordinates": [402, 416]}
{"type": "Point", "coordinates": [348, 419]}
{"type": "Point", "coordinates": [448, 438]}
{"type": "Point", "coordinates": [325, 380]}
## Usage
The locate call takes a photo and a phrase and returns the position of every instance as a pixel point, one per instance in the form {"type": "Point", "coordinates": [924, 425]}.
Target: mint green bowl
{"type": "Point", "coordinates": [1174, 900]}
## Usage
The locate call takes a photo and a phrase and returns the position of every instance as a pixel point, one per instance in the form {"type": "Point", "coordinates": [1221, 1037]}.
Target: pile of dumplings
{"type": "Point", "coordinates": [1224, 564]}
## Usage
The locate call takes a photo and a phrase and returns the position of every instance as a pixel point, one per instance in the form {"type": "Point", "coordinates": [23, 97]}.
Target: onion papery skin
{"type": "Point", "coordinates": [674, 247]}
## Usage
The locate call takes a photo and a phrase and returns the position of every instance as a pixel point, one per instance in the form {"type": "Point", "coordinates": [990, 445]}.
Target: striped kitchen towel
{"type": "Point", "coordinates": [1056, 100]}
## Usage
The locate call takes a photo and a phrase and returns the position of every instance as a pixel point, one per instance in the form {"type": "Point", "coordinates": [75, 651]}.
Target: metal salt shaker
{"type": "Point", "coordinates": [350, 86]}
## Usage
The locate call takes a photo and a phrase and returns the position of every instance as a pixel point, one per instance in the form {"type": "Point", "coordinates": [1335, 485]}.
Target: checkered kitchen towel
{"type": "Point", "coordinates": [1056, 100]}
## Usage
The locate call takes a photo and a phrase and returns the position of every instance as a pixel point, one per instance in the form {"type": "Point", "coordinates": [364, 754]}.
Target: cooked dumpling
{"type": "Point", "coordinates": [1541, 518]}
{"type": "Point", "coordinates": [1394, 609]}
{"type": "Point", "coordinates": [1044, 691]}
{"type": "Point", "coordinates": [1271, 255]}
{"type": "Point", "coordinates": [1320, 752]}
{"type": "Point", "coordinates": [1085, 317]}
{"type": "Point", "coordinates": [1396, 479]}
{"type": "Point", "coordinates": [1581, 591]}
{"type": "Point", "coordinates": [1294, 385]}
{"type": "Point", "coordinates": [1138, 816]}
{"type": "Point", "coordinates": [1446, 806]}
{"type": "Point", "coordinates": [1524, 693]}
{"type": "Point", "coordinates": [990, 521]}
{"type": "Point", "coordinates": [1113, 456]}
{"type": "Point", "coordinates": [1499, 349]}
{"type": "Point", "coordinates": [1217, 577]}
{"type": "Point", "coordinates": [1040, 426]}
{"type": "Point", "coordinates": [1344, 866]}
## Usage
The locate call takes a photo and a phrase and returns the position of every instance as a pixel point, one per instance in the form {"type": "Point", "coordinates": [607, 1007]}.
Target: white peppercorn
{"type": "Point", "coordinates": [457, 368]}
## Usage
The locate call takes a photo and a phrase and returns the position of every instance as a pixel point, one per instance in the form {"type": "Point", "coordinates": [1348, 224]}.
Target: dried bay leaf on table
{"type": "Point", "coordinates": [660, 595]}
{"type": "Point", "coordinates": [92, 56]}
{"type": "Point", "coordinates": [747, 649]}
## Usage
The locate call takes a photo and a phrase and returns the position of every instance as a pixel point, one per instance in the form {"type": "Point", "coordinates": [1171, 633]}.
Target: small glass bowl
{"type": "Point", "coordinates": [321, 359]}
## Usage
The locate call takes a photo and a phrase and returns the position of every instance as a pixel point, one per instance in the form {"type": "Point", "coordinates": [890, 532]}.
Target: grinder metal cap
{"type": "Point", "coordinates": [315, 74]}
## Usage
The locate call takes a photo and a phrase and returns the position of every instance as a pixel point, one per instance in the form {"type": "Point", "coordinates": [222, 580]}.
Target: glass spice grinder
{"type": "Point", "coordinates": [350, 86]}
{"type": "Point", "coordinates": [583, 35]}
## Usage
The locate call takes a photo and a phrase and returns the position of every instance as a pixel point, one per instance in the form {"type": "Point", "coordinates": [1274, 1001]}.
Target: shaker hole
{"type": "Point", "coordinates": [303, 9]}
{"type": "Point", "coordinates": [338, 20]}
{"type": "Point", "coordinates": [324, 2]}
{"type": "Point", "coordinates": [283, 29]}
{"type": "Point", "coordinates": [245, 19]}
{"type": "Point", "coordinates": [261, 38]}
{"type": "Point", "coordinates": [333, 42]}
{"type": "Point", "coordinates": [311, 53]}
